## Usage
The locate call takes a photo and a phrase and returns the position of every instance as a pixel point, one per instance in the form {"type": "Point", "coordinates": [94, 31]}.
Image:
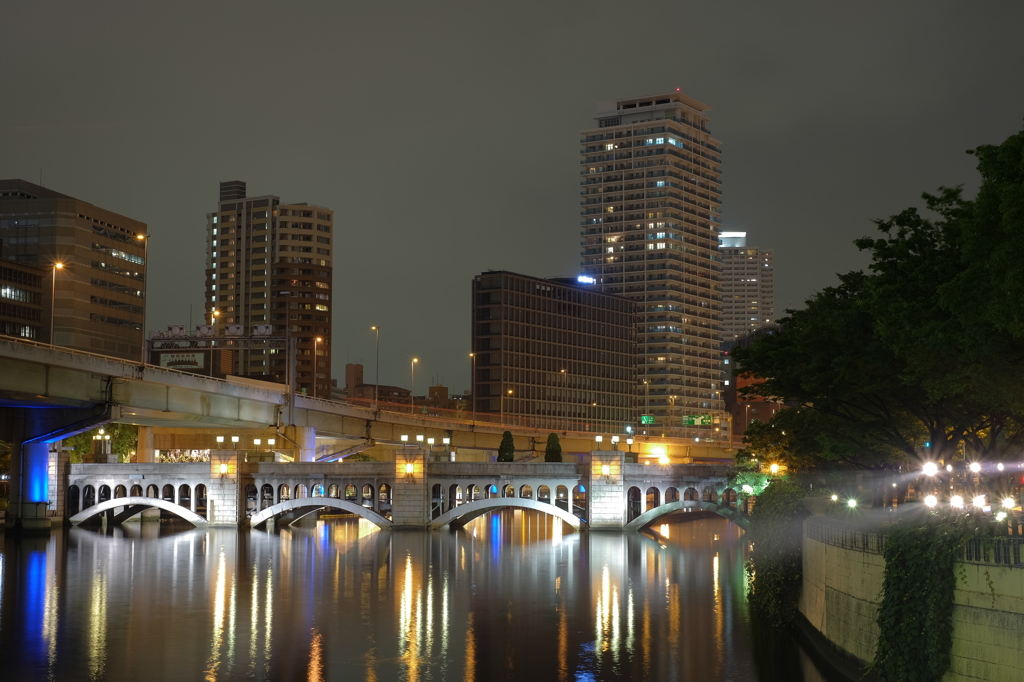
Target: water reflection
{"type": "Point", "coordinates": [513, 596]}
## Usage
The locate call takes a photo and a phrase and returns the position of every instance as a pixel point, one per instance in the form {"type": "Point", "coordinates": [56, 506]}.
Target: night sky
{"type": "Point", "coordinates": [445, 135]}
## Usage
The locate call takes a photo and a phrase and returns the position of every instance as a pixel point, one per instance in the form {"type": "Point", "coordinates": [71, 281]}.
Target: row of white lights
{"type": "Point", "coordinates": [430, 441]}
{"type": "Point", "coordinates": [255, 441]}
{"type": "Point", "coordinates": [956, 501]}
{"type": "Point", "coordinates": [931, 468]}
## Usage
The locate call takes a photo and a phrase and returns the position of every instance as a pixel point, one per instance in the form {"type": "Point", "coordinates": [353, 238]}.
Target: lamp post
{"type": "Point", "coordinates": [144, 238]}
{"type": "Point", "coordinates": [316, 349]}
{"type": "Point", "coordinates": [376, 380]}
{"type": "Point", "coordinates": [53, 298]}
{"type": "Point", "coordinates": [213, 316]}
{"type": "Point", "coordinates": [565, 401]}
{"type": "Point", "coordinates": [472, 382]}
{"type": "Point", "coordinates": [503, 406]}
{"type": "Point", "coordinates": [412, 381]}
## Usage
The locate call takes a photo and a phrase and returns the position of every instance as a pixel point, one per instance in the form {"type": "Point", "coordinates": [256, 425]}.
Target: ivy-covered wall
{"type": "Point", "coordinates": [842, 581]}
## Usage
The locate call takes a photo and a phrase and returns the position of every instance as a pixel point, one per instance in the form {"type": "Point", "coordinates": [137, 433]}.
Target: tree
{"type": "Point", "coordinates": [924, 347]}
{"type": "Point", "coordinates": [553, 450]}
{"type": "Point", "coordinates": [507, 448]}
{"type": "Point", "coordinates": [124, 440]}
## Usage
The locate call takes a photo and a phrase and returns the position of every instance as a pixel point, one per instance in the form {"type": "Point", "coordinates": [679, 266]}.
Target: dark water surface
{"type": "Point", "coordinates": [513, 596]}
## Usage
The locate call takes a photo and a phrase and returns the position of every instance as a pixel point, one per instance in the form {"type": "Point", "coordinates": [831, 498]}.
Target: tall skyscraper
{"type": "Point", "coordinates": [269, 271]}
{"type": "Point", "coordinates": [90, 282]}
{"type": "Point", "coordinates": [651, 204]}
{"type": "Point", "coordinates": [748, 287]}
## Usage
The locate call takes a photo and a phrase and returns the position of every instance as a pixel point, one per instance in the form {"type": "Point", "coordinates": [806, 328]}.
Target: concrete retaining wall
{"type": "Point", "coordinates": [843, 571]}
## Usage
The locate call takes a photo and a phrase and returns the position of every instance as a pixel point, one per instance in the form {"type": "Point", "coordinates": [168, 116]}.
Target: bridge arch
{"type": "Point", "coordinates": [652, 515]}
{"type": "Point", "coordinates": [141, 503]}
{"type": "Point", "coordinates": [311, 504]}
{"type": "Point", "coordinates": [464, 513]}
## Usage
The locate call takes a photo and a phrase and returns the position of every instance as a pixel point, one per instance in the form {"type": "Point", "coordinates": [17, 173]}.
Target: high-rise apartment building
{"type": "Point", "coordinates": [269, 273]}
{"type": "Point", "coordinates": [651, 204]}
{"type": "Point", "coordinates": [553, 354]}
{"type": "Point", "coordinates": [748, 287]}
{"type": "Point", "coordinates": [83, 271]}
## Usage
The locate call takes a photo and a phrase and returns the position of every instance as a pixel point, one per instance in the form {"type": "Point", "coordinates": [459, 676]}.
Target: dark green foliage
{"type": "Point", "coordinates": [123, 441]}
{"type": "Point", "coordinates": [927, 345]}
{"type": "Point", "coordinates": [915, 617]}
{"type": "Point", "coordinates": [507, 448]}
{"type": "Point", "coordinates": [553, 450]}
{"type": "Point", "coordinates": [776, 531]}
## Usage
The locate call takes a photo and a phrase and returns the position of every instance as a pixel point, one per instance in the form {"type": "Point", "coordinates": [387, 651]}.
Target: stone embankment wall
{"type": "Point", "coordinates": [843, 570]}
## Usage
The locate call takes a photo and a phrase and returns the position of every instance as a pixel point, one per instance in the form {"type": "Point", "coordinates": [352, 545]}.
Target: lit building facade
{"type": "Point", "coordinates": [95, 299]}
{"type": "Point", "coordinates": [269, 272]}
{"type": "Point", "coordinates": [650, 211]}
{"type": "Point", "coordinates": [748, 286]}
{"type": "Point", "coordinates": [21, 300]}
{"type": "Point", "coordinates": [552, 354]}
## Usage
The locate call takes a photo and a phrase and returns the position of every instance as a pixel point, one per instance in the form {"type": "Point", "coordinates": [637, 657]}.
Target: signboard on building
{"type": "Point", "coordinates": [647, 419]}
{"type": "Point", "coordinates": [697, 420]}
{"type": "Point", "coordinates": [188, 361]}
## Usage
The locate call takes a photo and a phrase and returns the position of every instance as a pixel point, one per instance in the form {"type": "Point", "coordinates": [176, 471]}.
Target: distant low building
{"type": "Point", "coordinates": [357, 389]}
{"type": "Point", "coordinates": [555, 354]}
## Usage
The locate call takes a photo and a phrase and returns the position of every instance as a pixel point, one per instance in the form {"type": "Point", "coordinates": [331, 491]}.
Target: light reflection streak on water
{"type": "Point", "coordinates": [50, 605]}
{"type": "Point", "coordinates": [469, 674]}
{"type": "Point", "coordinates": [663, 530]}
{"type": "Point", "coordinates": [444, 616]}
{"type": "Point", "coordinates": [315, 672]}
{"type": "Point", "coordinates": [719, 615]}
{"type": "Point", "coordinates": [268, 615]}
{"type": "Point", "coordinates": [563, 645]}
{"type": "Point", "coordinates": [429, 629]}
{"type": "Point", "coordinates": [409, 626]}
{"type": "Point", "coordinates": [607, 620]}
{"type": "Point", "coordinates": [98, 626]}
{"type": "Point", "coordinates": [254, 613]}
{"type": "Point", "coordinates": [218, 618]}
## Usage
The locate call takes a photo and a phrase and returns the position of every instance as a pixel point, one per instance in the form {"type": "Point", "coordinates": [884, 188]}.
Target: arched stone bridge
{"type": "Point", "coordinates": [605, 492]}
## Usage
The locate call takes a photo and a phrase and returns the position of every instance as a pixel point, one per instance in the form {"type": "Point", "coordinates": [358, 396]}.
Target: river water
{"type": "Point", "coordinates": [514, 595]}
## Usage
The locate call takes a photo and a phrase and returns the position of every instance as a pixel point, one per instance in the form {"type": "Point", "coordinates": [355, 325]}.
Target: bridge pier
{"type": "Point", "coordinates": [30, 431]}
{"type": "Point", "coordinates": [607, 490]}
{"type": "Point", "coordinates": [304, 438]}
{"type": "Point", "coordinates": [144, 452]}
{"type": "Point", "coordinates": [410, 506]}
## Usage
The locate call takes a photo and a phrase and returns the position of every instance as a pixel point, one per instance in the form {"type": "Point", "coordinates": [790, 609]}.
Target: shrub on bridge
{"type": "Point", "coordinates": [507, 448]}
{"type": "Point", "coordinates": [776, 530]}
{"type": "Point", "coordinates": [553, 450]}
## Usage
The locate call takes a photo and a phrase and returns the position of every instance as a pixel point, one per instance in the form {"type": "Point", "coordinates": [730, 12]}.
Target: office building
{"type": "Point", "coordinates": [269, 274]}
{"type": "Point", "coordinates": [84, 271]}
{"type": "Point", "coordinates": [650, 210]}
{"type": "Point", "coordinates": [748, 287]}
{"type": "Point", "coordinates": [21, 300]}
{"type": "Point", "coordinates": [553, 354]}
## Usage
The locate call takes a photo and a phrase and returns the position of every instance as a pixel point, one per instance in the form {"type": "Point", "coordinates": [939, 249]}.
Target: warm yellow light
{"type": "Point", "coordinates": [930, 469]}
{"type": "Point", "coordinates": [257, 441]}
{"type": "Point", "coordinates": [975, 467]}
{"type": "Point", "coordinates": [271, 441]}
{"type": "Point", "coordinates": [319, 339]}
{"type": "Point", "coordinates": [835, 498]}
{"type": "Point", "coordinates": [979, 501]}
{"type": "Point", "coordinates": [58, 266]}
{"type": "Point", "coordinates": [409, 467]}
{"type": "Point", "coordinates": [851, 503]}
{"type": "Point", "coordinates": [931, 500]}
{"type": "Point", "coordinates": [220, 439]}
{"type": "Point", "coordinates": [663, 460]}
{"type": "Point", "coordinates": [605, 470]}
{"type": "Point", "coordinates": [660, 451]}
{"type": "Point", "coordinates": [774, 468]}
{"type": "Point", "coordinates": [223, 469]}
{"type": "Point", "coordinates": [956, 502]}
{"type": "Point", "coordinates": [1008, 503]}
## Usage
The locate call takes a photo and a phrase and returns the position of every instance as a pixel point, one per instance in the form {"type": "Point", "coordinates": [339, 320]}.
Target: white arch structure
{"type": "Point", "coordinates": [652, 515]}
{"type": "Point", "coordinates": [465, 513]}
{"type": "Point", "coordinates": [142, 503]}
{"type": "Point", "coordinates": [314, 503]}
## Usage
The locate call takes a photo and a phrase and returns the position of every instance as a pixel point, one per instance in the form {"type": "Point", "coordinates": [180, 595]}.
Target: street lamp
{"type": "Point", "coordinates": [376, 381]}
{"type": "Point", "coordinates": [565, 401]}
{"type": "Point", "coordinates": [316, 343]}
{"type": "Point", "coordinates": [213, 316]}
{"type": "Point", "coordinates": [144, 238]}
{"type": "Point", "coordinates": [472, 382]}
{"type": "Point", "coordinates": [412, 388]}
{"type": "Point", "coordinates": [503, 405]}
{"type": "Point", "coordinates": [53, 298]}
